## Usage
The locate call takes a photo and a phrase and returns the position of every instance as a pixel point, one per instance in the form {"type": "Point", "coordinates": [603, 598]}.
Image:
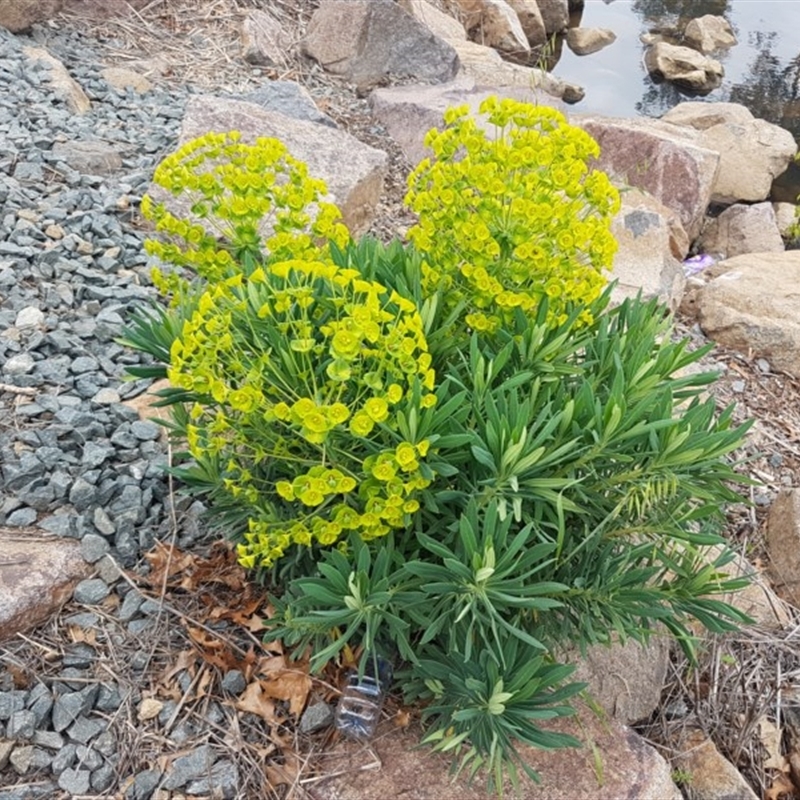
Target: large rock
{"type": "Point", "coordinates": [289, 98]}
{"type": "Point", "coordinates": [530, 17]}
{"type": "Point", "coordinates": [409, 112]}
{"type": "Point", "coordinates": [625, 679]}
{"type": "Point", "coordinates": [663, 160]}
{"type": "Point", "coordinates": [783, 541]}
{"type": "Point", "coordinates": [19, 15]}
{"type": "Point", "coordinates": [652, 243]}
{"type": "Point", "coordinates": [751, 304]}
{"type": "Point", "coordinates": [440, 24]}
{"type": "Point", "coordinates": [585, 41]}
{"type": "Point", "coordinates": [494, 23]}
{"type": "Point", "coordinates": [367, 41]}
{"type": "Point", "coordinates": [712, 776]}
{"type": "Point", "coordinates": [752, 152]}
{"type": "Point", "coordinates": [683, 66]}
{"type": "Point", "coordinates": [38, 573]}
{"type": "Point", "coordinates": [742, 229]}
{"type": "Point", "coordinates": [709, 33]}
{"type": "Point", "coordinates": [264, 42]}
{"type": "Point", "coordinates": [555, 14]}
{"type": "Point", "coordinates": [631, 768]}
{"type": "Point", "coordinates": [352, 171]}
{"type": "Point", "coordinates": [93, 157]}
{"type": "Point", "coordinates": [61, 81]}
{"type": "Point", "coordinates": [786, 216]}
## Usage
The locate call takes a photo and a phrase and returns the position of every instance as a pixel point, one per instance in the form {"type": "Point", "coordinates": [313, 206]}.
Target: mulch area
{"type": "Point", "coordinates": [210, 615]}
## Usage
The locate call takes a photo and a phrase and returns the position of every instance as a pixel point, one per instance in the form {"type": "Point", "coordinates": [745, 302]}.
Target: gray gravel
{"type": "Point", "coordinates": [74, 460]}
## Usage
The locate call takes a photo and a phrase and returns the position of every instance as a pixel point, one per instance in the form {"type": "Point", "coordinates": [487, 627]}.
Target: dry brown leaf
{"type": "Point", "coordinates": [253, 701]}
{"type": "Point", "coordinates": [782, 789]}
{"type": "Point", "coordinates": [19, 675]}
{"type": "Point", "coordinates": [290, 685]}
{"type": "Point", "coordinates": [87, 635]}
{"type": "Point", "coordinates": [402, 719]}
{"type": "Point", "coordinates": [771, 737]}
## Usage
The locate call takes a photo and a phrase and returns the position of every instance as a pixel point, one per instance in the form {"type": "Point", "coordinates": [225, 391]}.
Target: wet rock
{"type": "Point", "coordinates": [348, 37]}
{"type": "Point", "coordinates": [494, 23]}
{"type": "Point", "coordinates": [684, 67]}
{"type": "Point", "coordinates": [555, 15]}
{"type": "Point", "coordinates": [585, 41]}
{"type": "Point", "coordinates": [530, 18]}
{"type": "Point", "coordinates": [742, 229]}
{"type": "Point", "coordinates": [709, 33]}
{"type": "Point", "coordinates": [750, 305]}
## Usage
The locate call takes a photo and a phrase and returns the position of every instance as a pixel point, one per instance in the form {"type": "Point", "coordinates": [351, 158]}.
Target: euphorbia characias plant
{"type": "Point", "coordinates": [453, 447]}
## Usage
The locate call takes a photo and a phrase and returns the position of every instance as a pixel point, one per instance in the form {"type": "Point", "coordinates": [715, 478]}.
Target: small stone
{"type": "Point", "coordinates": [22, 518]}
{"type": "Point", "coordinates": [738, 386]}
{"type": "Point", "coordinates": [143, 785]}
{"type": "Point", "coordinates": [316, 717]}
{"type": "Point", "coordinates": [106, 744]}
{"type": "Point", "coordinates": [21, 759]}
{"type": "Point", "coordinates": [10, 703]}
{"type": "Point", "coordinates": [20, 364]}
{"type": "Point", "coordinates": [234, 682]}
{"type": "Point", "coordinates": [107, 570]}
{"type": "Point", "coordinates": [21, 725]}
{"type": "Point", "coordinates": [103, 778]}
{"type": "Point", "coordinates": [75, 781]}
{"type": "Point", "coordinates": [48, 739]}
{"type": "Point", "coordinates": [106, 396]}
{"type": "Point", "coordinates": [91, 591]}
{"type": "Point", "coordinates": [29, 317]}
{"type": "Point", "coordinates": [149, 709]}
{"type": "Point", "coordinates": [93, 547]}
{"type": "Point", "coordinates": [89, 758]}
{"type": "Point", "coordinates": [145, 431]}
{"type": "Point", "coordinates": [64, 758]}
{"type": "Point", "coordinates": [222, 782]}
{"type": "Point", "coordinates": [130, 606]}
{"type": "Point", "coordinates": [5, 752]}
{"type": "Point", "coordinates": [85, 729]}
{"type": "Point", "coordinates": [188, 767]}
{"type": "Point", "coordinates": [104, 524]}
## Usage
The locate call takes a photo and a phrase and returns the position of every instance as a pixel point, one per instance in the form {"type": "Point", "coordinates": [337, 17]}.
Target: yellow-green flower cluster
{"type": "Point", "coordinates": [512, 213]}
{"type": "Point", "coordinates": [243, 200]}
{"type": "Point", "coordinates": [300, 369]}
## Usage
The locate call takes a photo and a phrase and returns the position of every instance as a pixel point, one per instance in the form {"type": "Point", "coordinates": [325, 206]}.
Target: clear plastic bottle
{"type": "Point", "coordinates": [359, 709]}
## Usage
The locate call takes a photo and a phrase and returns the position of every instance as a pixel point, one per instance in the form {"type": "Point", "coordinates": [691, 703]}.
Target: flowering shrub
{"type": "Point", "coordinates": [302, 373]}
{"type": "Point", "coordinates": [512, 214]}
{"type": "Point", "coordinates": [245, 200]}
{"type": "Point", "coordinates": [455, 451]}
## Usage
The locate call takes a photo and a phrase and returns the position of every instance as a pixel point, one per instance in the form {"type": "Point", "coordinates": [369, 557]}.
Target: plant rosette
{"type": "Point", "coordinates": [308, 379]}
{"type": "Point", "coordinates": [512, 213]}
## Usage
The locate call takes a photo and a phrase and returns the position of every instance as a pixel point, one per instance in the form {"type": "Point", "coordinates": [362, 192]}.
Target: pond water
{"type": "Point", "coordinates": [762, 71]}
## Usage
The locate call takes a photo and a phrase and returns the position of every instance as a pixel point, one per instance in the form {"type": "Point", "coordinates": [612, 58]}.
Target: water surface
{"type": "Point", "coordinates": [762, 71]}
